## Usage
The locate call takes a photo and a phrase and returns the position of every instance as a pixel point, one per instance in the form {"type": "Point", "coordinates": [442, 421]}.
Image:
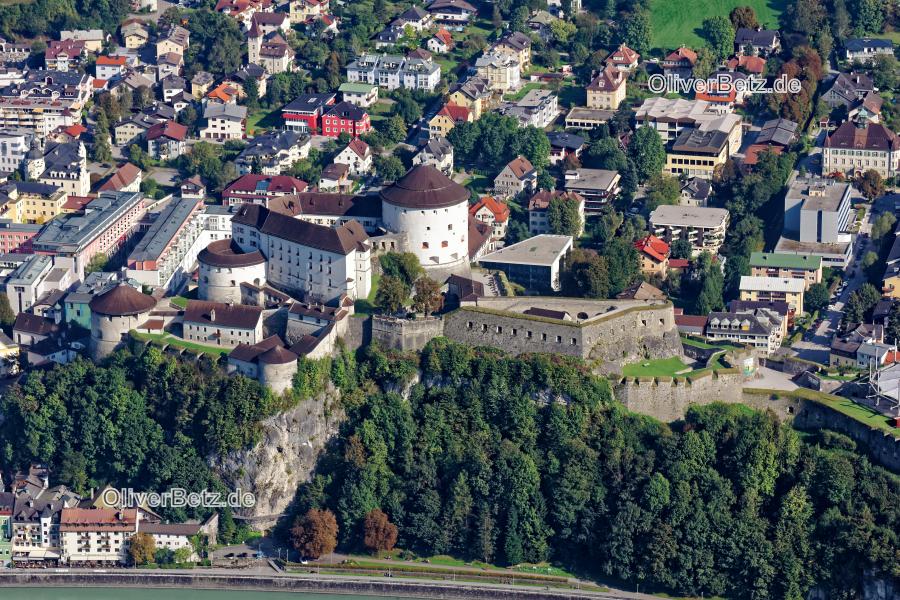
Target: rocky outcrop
{"type": "Point", "coordinates": [284, 459]}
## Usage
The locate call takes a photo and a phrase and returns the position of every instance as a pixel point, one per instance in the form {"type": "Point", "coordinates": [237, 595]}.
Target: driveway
{"type": "Point", "coordinates": [769, 379]}
{"type": "Point", "coordinates": [165, 176]}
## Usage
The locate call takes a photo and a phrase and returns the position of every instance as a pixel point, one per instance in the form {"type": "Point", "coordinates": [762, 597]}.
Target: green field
{"type": "Point", "coordinates": [675, 23]}
{"type": "Point", "coordinates": [661, 367]}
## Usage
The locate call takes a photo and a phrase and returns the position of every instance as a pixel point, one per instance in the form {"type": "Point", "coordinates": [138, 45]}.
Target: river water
{"type": "Point", "coordinates": [163, 594]}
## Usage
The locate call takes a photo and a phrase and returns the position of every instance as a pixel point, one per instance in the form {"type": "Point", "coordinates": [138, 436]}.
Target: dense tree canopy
{"type": "Point", "coordinates": [732, 503]}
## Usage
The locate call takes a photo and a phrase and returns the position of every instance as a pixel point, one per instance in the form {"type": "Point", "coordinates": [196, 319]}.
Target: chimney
{"type": "Point", "coordinates": [212, 315]}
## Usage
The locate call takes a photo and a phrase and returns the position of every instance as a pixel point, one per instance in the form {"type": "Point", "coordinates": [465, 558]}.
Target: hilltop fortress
{"type": "Point", "coordinates": [608, 333]}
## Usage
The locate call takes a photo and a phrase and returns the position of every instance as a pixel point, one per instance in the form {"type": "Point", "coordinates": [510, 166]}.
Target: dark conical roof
{"type": "Point", "coordinates": [120, 301]}
{"type": "Point", "coordinates": [425, 187]}
{"type": "Point", "coordinates": [279, 355]}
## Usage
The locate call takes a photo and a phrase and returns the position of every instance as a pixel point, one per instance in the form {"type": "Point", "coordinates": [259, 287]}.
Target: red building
{"type": "Point", "coordinates": [258, 189]}
{"type": "Point", "coordinates": [344, 117]}
{"type": "Point", "coordinates": [16, 237]}
{"type": "Point", "coordinates": [303, 113]}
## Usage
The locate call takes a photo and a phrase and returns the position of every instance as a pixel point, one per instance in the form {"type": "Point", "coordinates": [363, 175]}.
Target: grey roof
{"type": "Point", "coordinates": [705, 142]}
{"type": "Point", "coordinates": [763, 37]}
{"type": "Point", "coordinates": [70, 232]}
{"type": "Point", "coordinates": [29, 271]}
{"type": "Point", "coordinates": [225, 111]}
{"type": "Point", "coordinates": [167, 224]}
{"type": "Point", "coordinates": [777, 131]}
{"type": "Point", "coordinates": [697, 188]}
{"type": "Point", "coordinates": [850, 86]}
{"type": "Point", "coordinates": [817, 193]}
{"type": "Point", "coordinates": [756, 322]}
{"type": "Point", "coordinates": [438, 147]}
{"type": "Point", "coordinates": [570, 141]}
{"type": "Point", "coordinates": [688, 216]}
{"type": "Point", "coordinates": [270, 144]}
{"type": "Point", "coordinates": [541, 250]}
{"type": "Point", "coordinates": [860, 44]}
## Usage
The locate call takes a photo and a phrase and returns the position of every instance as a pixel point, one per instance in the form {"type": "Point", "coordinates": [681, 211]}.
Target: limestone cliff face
{"type": "Point", "coordinates": [284, 458]}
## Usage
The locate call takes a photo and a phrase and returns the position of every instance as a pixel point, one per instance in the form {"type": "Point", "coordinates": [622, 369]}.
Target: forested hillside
{"type": "Point", "coordinates": [510, 460]}
{"type": "Point", "coordinates": [494, 458]}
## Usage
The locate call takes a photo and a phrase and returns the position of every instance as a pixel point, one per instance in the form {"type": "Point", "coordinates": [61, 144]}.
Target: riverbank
{"type": "Point", "coordinates": [319, 584]}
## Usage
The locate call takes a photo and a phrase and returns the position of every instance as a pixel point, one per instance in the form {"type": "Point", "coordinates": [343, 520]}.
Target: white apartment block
{"type": "Point", "coordinates": [394, 71]}
{"type": "Point", "coordinates": [703, 227]}
{"type": "Point", "coordinates": [14, 145]}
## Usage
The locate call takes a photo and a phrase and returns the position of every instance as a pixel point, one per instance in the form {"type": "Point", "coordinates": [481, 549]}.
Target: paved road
{"type": "Point", "coordinates": [475, 589]}
{"type": "Point", "coordinates": [816, 343]}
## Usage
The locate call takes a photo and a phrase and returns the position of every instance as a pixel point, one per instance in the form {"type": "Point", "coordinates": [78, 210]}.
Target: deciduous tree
{"type": "Point", "coordinates": [315, 533]}
{"type": "Point", "coordinates": [380, 535]}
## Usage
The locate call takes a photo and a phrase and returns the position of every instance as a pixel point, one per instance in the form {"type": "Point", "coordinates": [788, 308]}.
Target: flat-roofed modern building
{"type": "Point", "coordinates": [166, 252]}
{"type": "Point", "coordinates": [533, 263]}
{"type": "Point", "coordinates": [106, 225]}
{"type": "Point", "coordinates": [696, 153]}
{"type": "Point", "coordinates": [596, 186]}
{"type": "Point", "coordinates": [817, 215]}
{"type": "Point", "coordinates": [817, 209]}
{"type": "Point", "coordinates": [773, 289]}
{"type": "Point", "coordinates": [703, 227]}
{"type": "Point", "coordinates": [795, 266]}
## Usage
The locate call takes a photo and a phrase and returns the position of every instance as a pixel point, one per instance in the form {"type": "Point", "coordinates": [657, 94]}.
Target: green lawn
{"type": "Point", "coordinates": [167, 338]}
{"type": "Point", "coordinates": [364, 308]}
{"type": "Point", "coordinates": [263, 119]}
{"type": "Point", "coordinates": [532, 85]}
{"type": "Point", "coordinates": [661, 367]}
{"type": "Point", "coordinates": [674, 23]}
{"type": "Point", "coordinates": [480, 184]}
{"type": "Point", "coordinates": [699, 344]}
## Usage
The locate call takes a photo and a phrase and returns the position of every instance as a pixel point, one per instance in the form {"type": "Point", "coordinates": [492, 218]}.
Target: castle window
{"type": "Point", "coordinates": [499, 329]}
{"type": "Point", "coordinates": [528, 335]}
{"type": "Point", "coordinates": [469, 325]}
{"type": "Point", "coordinates": [559, 339]}
{"type": "Point", "coordinates": [543, 337]}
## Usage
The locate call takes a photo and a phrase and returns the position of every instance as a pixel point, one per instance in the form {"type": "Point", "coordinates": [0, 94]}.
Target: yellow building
{"type": "Point", "coordinates": [447, 118]}
{"type": "Point", "coordinates": [795, 266]}
{"type": "Point", "coordinates": [475, 94]}
{"type": "Point", "coordinates": [516, 45]}
{"type": "Point", "coordinates": [32, 202]}
{"type": "Point", "coordinates": [773, 289]}
{"type": "Point", "coordinates": [697, 153]}
{"type": "Point", "coordinates": [607, 90]}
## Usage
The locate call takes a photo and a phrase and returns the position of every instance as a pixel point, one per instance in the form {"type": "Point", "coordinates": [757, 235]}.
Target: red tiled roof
{"type": "Point", "coordinates": [751, 64]}
{"type": "Point", "coordinates": [459, 114]}
{"type": "Point", "coordinates": [751, 155]}
{"type": "Point", "coordinates": [500, 209]}
{"type": "Point", "coordinates": [111, 60]}
{"type": "Point", "coordinates": [358, 146]}
{"type": "Point", "coordinates": [520, 166]}
{"type": "Point", "coordinates": [679, 263]}
{"type": "Point", "coordinates": [444, 36]}
{"type": "Point", "coordinates": [250, 183]}
{"type": "Point", "coordinates": [75, 130]}
{"type": "Point", "coordinates": [126, 174]}
{"type": "Point", "coordinates": [653, 247]}
{"type": "Point", "coordinates": [608, 80]}
{"type": "Point", "coordinates": [623, 56]}
{"type": "Point", "coordinates": [682, 54]}
{"type": "Point", "coordinates": [169, 129]}
{"type": "Point", "coordinates": [690, 321]}
{"type": "Point", "coordinates": [77, 202]}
